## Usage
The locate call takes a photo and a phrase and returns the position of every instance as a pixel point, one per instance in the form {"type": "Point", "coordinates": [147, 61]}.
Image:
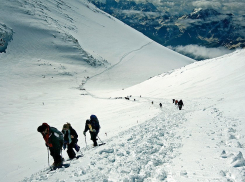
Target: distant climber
{"type": "Point", "coordinates": [180, 104]}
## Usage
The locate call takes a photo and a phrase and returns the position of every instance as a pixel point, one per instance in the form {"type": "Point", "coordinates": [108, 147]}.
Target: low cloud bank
{"type": "Point", "coordinates": [200, 53]}
{"type": "Point", "coordinates": [186, 6]}
{"type": "Point", "coordinates": [207, 4]}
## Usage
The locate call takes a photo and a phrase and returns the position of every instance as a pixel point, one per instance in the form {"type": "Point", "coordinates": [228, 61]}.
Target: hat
{"type": "Point", "coordinates": [87, 121]}
{"type": "Point", "coordinates": [42, 128]}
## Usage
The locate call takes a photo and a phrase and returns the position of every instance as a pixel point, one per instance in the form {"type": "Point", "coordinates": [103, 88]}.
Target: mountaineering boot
{"type": "Point", "coordinates": [95, 143]}
{"type": "Point", "coordinates": [59, 163]}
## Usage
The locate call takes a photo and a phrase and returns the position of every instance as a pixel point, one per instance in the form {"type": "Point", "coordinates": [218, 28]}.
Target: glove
{"type": "Point", "coordinates": [84, 133]}
{"type": "Point", "coordinates": [94, 130]}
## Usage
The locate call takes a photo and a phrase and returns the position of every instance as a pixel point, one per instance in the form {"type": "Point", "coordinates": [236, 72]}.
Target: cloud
{"type": "Point", "coordinates": [167, 3]}
{"type": "Point", "coordinates": [207, 4]}
{"type": "Point", "coordinates": [186, 6]}
{"type": "Point", "coordinates": [200, 52]}
{"type": "Point", "coordinates": [191, 22]}
{"type": "Point", "coordinates": [133, 12]}
{"type": "Point", "coordinates": [235, 7]}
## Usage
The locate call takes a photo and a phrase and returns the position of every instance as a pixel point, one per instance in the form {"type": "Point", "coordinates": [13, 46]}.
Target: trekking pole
{"type": "Point", "coordinates": [62, 159]}
{"type": "Point", "coordinates": [86, 142]}
{"type": "Point", "coordinates": [48, 157]}
{"type": "Point", "coordinates": [100, 140]}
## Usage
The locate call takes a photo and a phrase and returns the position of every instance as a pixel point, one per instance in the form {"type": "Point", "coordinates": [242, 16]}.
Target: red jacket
{"type": "Point", "coordinates": [46, 137]}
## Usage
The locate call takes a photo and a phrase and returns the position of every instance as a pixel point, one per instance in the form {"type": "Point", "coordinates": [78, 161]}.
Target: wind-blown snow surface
{"type": "Point", "coordinates": [57, 46]}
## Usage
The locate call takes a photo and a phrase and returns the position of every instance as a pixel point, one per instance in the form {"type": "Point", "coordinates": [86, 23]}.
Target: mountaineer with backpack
{"type": "Point", "coordinates": [54, 140]}
{"type": "Point", "coordinates": [70, 140]}
{"type": "Point", "coordinates": [180, 104]}
{"type": "Point", "coordinates": [93, 126]}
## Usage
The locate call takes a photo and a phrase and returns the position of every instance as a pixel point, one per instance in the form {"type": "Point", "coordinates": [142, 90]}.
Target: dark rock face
{"type": "Point", "coordinates": [6, 35]}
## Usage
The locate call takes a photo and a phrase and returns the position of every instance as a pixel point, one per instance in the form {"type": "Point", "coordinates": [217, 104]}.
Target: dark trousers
{"type": "Point", "coordinates": [180, 107]}
{"type": "Point", "coordinates": [94, 137]}
{"type": "Point", "coordinates": [70, 150]}
{"type": "Point", "coordinates": [55, 153]}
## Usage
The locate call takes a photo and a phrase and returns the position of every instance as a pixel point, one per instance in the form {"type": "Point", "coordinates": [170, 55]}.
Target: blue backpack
{"type": "Point", "coordinates": [95, 122]}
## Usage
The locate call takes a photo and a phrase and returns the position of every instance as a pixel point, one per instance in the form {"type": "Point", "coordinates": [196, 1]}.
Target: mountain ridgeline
{"type": "Point", "coordinates": [202, 27]}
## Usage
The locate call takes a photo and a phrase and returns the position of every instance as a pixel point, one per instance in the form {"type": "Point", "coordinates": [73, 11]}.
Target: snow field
{"type": "Point", "coordinates": [206, 138]}
{"type": "Point", "coordinates": [139, 153]}
{"type": "Point", "coordinates": [193, 144]}
{"type": "Point", "coordinates": [68, 60]}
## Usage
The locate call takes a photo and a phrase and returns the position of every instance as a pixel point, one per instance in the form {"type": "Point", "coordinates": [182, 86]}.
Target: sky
{"type": "Point", "coordinates": [68, 60]}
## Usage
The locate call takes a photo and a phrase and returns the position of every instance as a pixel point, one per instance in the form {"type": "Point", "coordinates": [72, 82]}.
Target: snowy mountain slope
{"type": "Point", "coordinates": [53, 48]}
{"type": "Point", "coordinates": [76, 29]}
{"type": "Point", "coordinates": [57, 46]}
{"type": "Point", "coordinates": [127, 72]}
{"type": "Point", "coordinates": [127, 156]}
{"type": "Point", "coordinates": [203, 142]}
{"type": "Point", "coordinates": [210, 78]}
{"type": "Point", "coordinates": [213, 135]}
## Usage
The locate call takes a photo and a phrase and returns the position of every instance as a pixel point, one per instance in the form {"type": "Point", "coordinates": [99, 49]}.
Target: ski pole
{"type": "Point", "coordinates": [86, 142]}
{"type": "Point", "coordinates": [62, 159]}
{"type": "Point", "coordinates": [48, 157]}
{"type": "Point", "coordinates": [100, 140]}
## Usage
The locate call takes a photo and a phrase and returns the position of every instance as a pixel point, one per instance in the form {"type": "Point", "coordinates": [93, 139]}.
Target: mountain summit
{"type": "Point", "coordinates": [200, 13]}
